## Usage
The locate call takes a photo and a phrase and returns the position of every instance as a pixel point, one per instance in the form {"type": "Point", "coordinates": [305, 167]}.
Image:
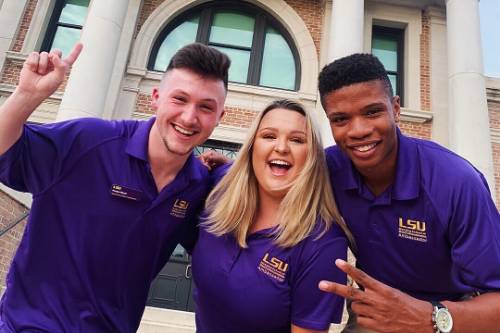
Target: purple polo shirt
{"type": "Point", "coordinates": [266, 288]}
{"type": "Point", "coordinates": [434, 234]}
{"type": "Point", "coordinates": [98, 232]}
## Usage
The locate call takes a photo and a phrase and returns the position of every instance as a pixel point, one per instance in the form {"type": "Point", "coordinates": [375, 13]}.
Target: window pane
{"type": "Point", "coordinates": [387, 51]}
{"type": "Point", "coordinates": [74, 12]}
{"type": "Point", "coordinates": [232, 29]}
{"type": "Point", "coordinates": [238, 71]}
{"type": "Point", "coordinates": [65, 39]}
{"type": "Point", "coordinates": [184, 34]}
{"type": "Point", "coordinates": [394, 85]}
{"type": "Point", "coordinates": [278, 63]}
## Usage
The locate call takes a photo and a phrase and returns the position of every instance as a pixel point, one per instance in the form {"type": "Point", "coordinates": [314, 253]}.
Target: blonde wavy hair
{"type": "Point", "coordinates": [232, 204]}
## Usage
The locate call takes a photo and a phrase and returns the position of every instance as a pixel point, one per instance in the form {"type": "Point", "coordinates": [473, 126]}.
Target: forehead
{"type": "Point", "coordinates": [359, 94]}
{"type": "Point", "coordinates": [185, 79]}
{"type": "Point", "coordinates": [284, 119]}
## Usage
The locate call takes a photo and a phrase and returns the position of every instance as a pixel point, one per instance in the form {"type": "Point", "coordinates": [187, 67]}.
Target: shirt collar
{"type": "Point", "coordinates": [137, 145]}
{"type": "Point", "coordinates": [406, 184]}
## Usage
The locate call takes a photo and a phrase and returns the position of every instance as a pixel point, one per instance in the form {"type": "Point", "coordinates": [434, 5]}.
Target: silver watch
{"type": "Point", "coordinates": [441, 318]}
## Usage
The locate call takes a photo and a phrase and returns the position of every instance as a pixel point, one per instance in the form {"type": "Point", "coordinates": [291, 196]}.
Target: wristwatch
{"type": "Point", "coordinates": [441, 318]}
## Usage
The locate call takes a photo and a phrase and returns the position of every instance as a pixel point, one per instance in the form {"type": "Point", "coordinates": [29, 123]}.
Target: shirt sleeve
{"type": "Point", "coordinates": [311, 307]}
{"type": "Point", "coordinates": [42, 153]}
{"type": "Point", "coordinates": [475, 235]}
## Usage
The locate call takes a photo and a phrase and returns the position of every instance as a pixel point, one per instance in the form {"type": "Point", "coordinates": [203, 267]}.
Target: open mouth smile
{"type": "Point", "coordinates": [183, 131]}
{"type": "Point", "coordinates": [279, 167]}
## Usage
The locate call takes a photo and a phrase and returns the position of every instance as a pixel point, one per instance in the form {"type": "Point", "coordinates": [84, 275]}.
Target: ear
{"type": "Point", "coordinates": [221, 115]}
{"type": "Point", "coordinates": [155, 96]}
{"type": "Point", "coordinates": [396, 108]}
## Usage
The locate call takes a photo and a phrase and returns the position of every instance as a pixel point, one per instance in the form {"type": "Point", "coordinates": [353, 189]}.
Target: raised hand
{"type": "Point", "coordinates": [212, 159]}
{"type": "Point", "coordinates": [42, 73]}
{"type": "Point", "coordinates": [380, 307]}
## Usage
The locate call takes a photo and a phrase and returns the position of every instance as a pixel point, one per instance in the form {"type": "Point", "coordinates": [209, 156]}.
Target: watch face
{"type": "Point", "coordinates": [443, 321]}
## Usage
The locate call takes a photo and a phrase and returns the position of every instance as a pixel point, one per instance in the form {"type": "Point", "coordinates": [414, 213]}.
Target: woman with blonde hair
{"type": "Point", "coordinates": [271, 232]}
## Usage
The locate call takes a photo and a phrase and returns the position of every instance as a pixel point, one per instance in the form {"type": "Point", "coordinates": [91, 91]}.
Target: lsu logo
{"type": "Point", "coordinates": [273, 267]}
{"type": "Point", "coordinates": [179, 208]}
{"type": "Point", "coordinates": [413, 230]}
{"type": "Point", "coordinates": [181, 204]}
{"type": "Point", "coordinates": [276, 263]}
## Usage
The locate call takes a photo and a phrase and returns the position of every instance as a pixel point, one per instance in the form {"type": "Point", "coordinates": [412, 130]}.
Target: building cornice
{"type": "Point", "coordinates": [416, 116]}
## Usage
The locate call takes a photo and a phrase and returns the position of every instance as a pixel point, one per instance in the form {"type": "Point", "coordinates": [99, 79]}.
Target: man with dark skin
{"type": "Point", "coordinates": [426, 229]}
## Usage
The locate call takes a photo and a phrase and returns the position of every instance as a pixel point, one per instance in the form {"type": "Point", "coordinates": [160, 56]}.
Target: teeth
{"type": "Point", "coordinates": [365, 148]}
{"type": "Point", "coordinates": [183, 131]}
{"type": "Point", "coordinates": [279, 162]}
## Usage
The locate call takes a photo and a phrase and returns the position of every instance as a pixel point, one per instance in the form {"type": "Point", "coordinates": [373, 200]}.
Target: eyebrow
{"type": "Point", "coordinates": [182, 92]}
{"type": "Point", "coordinates": [374, 105]}
{"type": "Point", "coordinates": [275, 129]}
{"type": "Point", "coordinates": [369, 106]}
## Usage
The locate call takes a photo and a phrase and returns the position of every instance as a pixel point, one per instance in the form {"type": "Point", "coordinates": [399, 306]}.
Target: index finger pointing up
{"type": "Point", "coordinates": [71, 58]}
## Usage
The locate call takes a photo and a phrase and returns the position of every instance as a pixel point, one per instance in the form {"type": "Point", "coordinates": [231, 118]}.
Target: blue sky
{"type": "Point", "coordinates": [489, 11]}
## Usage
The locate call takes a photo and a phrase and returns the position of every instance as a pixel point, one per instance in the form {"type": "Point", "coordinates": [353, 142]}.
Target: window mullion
{"type": "Point", "coordinates": [52, 27]}
{"type": "Point", "coordinates": [255, 65]}
{"type": "Point", "coordinates": [206, 18]}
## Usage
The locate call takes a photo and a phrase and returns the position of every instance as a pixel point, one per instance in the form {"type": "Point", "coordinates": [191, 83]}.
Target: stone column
{"type": "Point", "coordinates": [346, 28]}
{"type": "Point", "coordinates": [88, 85]}
{"type": "Point", "coordinates": [468, 109]}
{"type": "Point", "coordinates": [11, 14]}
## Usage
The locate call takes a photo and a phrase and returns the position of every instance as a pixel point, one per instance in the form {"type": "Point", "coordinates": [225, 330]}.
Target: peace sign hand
{"type": "Point", "coordinates": [380, 307]}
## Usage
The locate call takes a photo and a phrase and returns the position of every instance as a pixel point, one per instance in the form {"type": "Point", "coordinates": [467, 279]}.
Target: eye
{"type": "Point", "coordinates": [269, 136]}
{"type": "Point", "coordinates": [373, 112]}
{"type": "Point", "coordinates": [179, 99]}
{"type": "Point", "coordinates": [297, 139]}
{"type": "Point", "coordinates": [207, 108]}
{"type": "Point", "coordinates": [338, 119]}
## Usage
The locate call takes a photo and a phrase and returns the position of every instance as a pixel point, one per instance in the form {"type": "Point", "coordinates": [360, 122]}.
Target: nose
{"type": "Point", "coordinates": [359, 128]}
{"type": "Point", "coordinates": [189, 115]}
{"type": "Point", "coordinates": [281, 146]}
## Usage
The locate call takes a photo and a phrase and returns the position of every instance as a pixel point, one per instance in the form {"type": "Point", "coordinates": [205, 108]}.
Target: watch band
{"type": "Point", "coordinates": [438, 305]}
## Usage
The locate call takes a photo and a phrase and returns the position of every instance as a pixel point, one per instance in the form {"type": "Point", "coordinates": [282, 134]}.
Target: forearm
{"type": "Point", "coordinates": [13, 114]}
{"type": "Point", "coordinates": [479, 314]}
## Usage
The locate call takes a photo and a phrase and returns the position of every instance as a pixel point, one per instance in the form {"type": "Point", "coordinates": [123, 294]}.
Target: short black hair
{"type": "Point", "coordinates": [355, 68]}
{"type": "Point", "coordinates": [202, 60]}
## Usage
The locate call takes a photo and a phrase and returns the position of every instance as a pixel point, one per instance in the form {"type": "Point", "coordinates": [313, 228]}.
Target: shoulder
{"type": "Point", "coordinates": [218, 173]}
{"type": "Point", "coordinates": [440, 165]}
{"type": "Point", "coordinates": [92, 129]}
{"type": "Point", "coordinates": [335, 158]}
{"type": "Point", "coordinates": [333, 240]}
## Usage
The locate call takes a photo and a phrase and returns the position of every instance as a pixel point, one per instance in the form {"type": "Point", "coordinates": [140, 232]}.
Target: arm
{"type": "Point", "coordinates": [385, 309]}
{"type": "Point", "coordinates": [296, 329]}
{"type": "Point", "coordinates": [40, 76]}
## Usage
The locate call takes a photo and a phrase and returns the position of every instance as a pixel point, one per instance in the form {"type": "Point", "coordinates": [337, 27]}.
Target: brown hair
{"type": "Point", "coordinates": [202, 60]}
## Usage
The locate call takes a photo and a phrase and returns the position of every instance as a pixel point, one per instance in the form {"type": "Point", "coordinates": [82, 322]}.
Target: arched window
{"type": "Point", "coordinates": [260, 48]}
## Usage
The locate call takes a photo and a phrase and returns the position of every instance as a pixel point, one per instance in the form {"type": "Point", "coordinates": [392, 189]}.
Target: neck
{"type": "Point", "coordinates": [267, 212]}
{"type": "Point", "coordinates": [164, 164]}
{"type": "Point", "coordinates": [380, 178]}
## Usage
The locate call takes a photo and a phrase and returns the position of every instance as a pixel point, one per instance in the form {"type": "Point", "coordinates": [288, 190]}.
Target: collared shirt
{"type": "Point", "coordinates": [98, 232]}
{"type": "Point", "coordinates": [266, 288]}
{"type": "Point", "coordinates": [434, 233]}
